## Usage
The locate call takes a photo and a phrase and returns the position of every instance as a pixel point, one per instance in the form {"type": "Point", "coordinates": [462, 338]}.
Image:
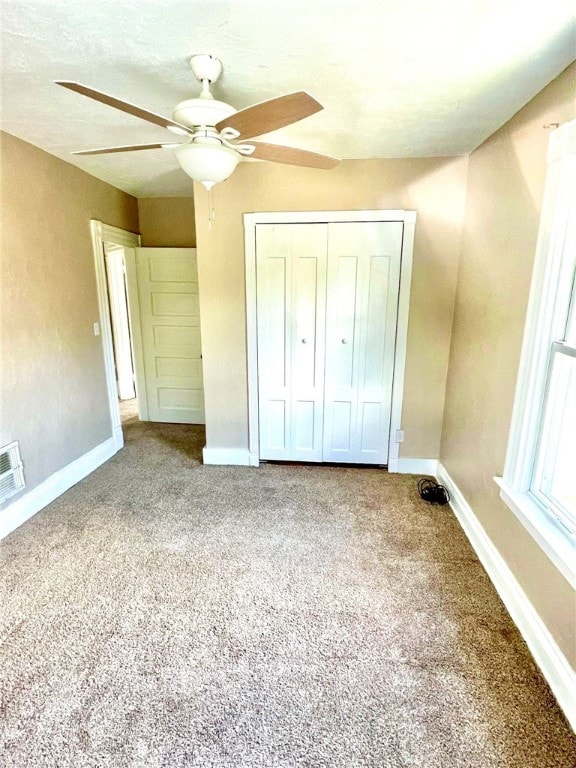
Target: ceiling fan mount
{"type": "Point", "coordinates": [216, 132]}
{"type": "Point", "coordinates": [206, 67]}
{"type": "Point", "coordinates": [204, 110]}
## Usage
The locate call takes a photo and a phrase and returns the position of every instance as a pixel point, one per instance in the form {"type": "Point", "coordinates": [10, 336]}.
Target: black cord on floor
{"type": "Point", "coordinates": [432, 492]}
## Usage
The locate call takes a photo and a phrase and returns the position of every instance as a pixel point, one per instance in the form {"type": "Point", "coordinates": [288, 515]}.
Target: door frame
{"type": "Point", "coordinates": [104, 233]}
{"type": "Point", "coordinates": [251, 220]}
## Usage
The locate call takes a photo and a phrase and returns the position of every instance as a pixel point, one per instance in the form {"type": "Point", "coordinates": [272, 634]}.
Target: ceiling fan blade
{"type": "Point", "coordinates": [123, 106]}
{"type": "Point", "coordinates": [270, 115]}
{"type": "Point", "coordinates": [280, 154]}
{"type": "Point", "coordinates": [130, 148]}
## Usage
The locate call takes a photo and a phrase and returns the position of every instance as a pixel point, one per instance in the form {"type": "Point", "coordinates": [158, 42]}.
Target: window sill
{"type": "Point", "coordinates": [558, 543]}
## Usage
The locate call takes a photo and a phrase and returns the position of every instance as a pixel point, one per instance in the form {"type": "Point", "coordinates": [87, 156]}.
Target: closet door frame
{"type": "Point", "coordinates": [251, 221]}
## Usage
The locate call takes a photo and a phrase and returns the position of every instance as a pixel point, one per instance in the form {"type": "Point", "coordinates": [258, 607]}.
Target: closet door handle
{"type": "Point", "coordinates": [344, 341]}
{"type": "Point", "coordinates": [304, 341]}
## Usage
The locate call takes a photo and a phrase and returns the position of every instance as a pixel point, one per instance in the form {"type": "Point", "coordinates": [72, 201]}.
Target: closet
{"type": "Point", "coordinates": [325, 321]}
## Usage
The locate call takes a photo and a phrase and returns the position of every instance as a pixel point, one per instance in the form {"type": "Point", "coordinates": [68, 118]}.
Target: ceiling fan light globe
{"type": "Point", "coordinates": [207, 163]}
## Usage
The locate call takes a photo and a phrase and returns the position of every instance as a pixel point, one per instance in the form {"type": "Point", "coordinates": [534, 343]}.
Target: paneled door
{"type": "Point", "coordinates": [327, 304]}
{"type": "Point", "coordinates": [291, 308]}
{"type": "Point", "coordinates": [362, 306]}
{"type": "Point", "coordinates": [170, 330]}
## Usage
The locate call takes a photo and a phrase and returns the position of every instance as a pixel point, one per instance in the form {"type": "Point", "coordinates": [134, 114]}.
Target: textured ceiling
{"type": "Point", "coordinates": [397, 78]}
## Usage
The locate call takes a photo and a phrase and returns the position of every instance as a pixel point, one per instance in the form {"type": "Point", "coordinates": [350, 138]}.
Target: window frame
{"type": "Point", "coordinates": [548, 309]}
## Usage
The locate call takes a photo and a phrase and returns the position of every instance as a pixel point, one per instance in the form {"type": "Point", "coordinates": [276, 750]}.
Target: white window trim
{"type": "Point", "coordinates": [558, 205]}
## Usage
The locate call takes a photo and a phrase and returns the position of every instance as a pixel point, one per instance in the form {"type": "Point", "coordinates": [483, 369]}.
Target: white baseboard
{"type": "Point", "coordinates": [558, 672]}
{"type": "Point", "coordinates": [239, 457]}
{"type": "Point", "coordinates": [414, 466]}
{"type": "Point", "coordinates": [30, 503]}
{"type": "Point", "coordinates": [118, 437]}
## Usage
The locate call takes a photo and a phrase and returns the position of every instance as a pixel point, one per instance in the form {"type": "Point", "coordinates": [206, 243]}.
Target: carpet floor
{"type": "Point", "coordinates": [166, 614]}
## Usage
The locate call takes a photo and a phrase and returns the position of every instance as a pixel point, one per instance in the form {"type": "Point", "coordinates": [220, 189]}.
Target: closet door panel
{"type": "Point", "coordinates": [275, 424]}
{"type": "Point", "coordinates": [274, 284]}
{"type": "Point", "coordinates": [307, 312]}
{"type": "Point", "coordinates": [361, 320]}
{"type": "Point", "coordinates": [377, 363]}
{"type": "Point", "coordinates": [340, 368]}
{"type": "Point", "coordinates": [291, 287]}
{"type": "Point", "coordinates": [341, 321]}
{"type": "Point", "coordinates": [371, 427]}
{"type": "Point", "coordinates": [303, 433]}
{"type": "Point", "coordinates": [307, 357]}
{"type": "Point", "coordinates": [339, 426]}
{"type": "Point", "coordinates": [374, 348]}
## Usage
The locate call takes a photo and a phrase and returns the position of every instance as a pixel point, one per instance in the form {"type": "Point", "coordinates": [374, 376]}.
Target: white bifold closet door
{"type": "Point", "coordinates": [327, 305]}
{"type": "Point", "coordinates": [291, 312]}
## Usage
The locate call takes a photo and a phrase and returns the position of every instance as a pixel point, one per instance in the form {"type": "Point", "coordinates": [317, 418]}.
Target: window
{"type": "Point", "coordinates": [539, 482]}
{"type": "Point", "coordinates": [553, 480]}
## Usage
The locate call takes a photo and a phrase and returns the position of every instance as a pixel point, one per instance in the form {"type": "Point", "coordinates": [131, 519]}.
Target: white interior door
{"type": "Point", "coordinates": [291, 294]}
{"type": "Point", "coordinates": [115, 275]}
{"type": "Point", "coordinates": [361, 314]}
{"type": "Point", "coordinates": [170, 332]}
{"type": "Point", "coordinates": [327, 303]}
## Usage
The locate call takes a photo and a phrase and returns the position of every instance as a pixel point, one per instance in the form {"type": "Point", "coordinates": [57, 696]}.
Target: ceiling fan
{"type": "Point", "coordinates": [215, 132]}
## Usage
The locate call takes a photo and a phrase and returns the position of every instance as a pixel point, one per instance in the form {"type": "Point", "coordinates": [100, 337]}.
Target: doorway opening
{"type": "Point", "coordinates": [128, 410]}
{"type": "Point", "coordinates": [111, 247]}
{"type": "Point", "coordinates": [150, 324]}
{"type": "Point", "coordinates": [115, 263]}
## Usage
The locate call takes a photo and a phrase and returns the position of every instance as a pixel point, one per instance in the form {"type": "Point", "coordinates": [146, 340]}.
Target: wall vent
{"type": "Point", "coordinates": [11, 471]}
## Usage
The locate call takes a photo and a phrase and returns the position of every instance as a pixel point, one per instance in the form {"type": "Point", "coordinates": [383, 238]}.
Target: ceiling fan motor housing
{"type": "Point", "coordinates": [201, 111]}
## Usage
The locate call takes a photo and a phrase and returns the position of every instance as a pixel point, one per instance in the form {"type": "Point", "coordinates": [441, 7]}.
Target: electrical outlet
{"type": "Point", "coordinates": [399, 435]}
{"type": "Point", "coordinates": [96, 329]}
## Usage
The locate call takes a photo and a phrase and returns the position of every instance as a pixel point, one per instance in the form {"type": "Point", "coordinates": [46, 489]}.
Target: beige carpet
{"type": "Point", "coordinates": [128, 410]}
{"type": "Point", "coordinates": [163, 613]}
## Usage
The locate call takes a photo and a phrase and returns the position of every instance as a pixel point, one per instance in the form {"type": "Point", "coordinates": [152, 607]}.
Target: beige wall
{"type": "Point", "coordinates": [505, 188]}
{"type": "Point", "coordinates": [434, 187]}
{"type": "Point", "coordinates": [167, 222]}
{"type": "Point", "coordinates": [54, 398]}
